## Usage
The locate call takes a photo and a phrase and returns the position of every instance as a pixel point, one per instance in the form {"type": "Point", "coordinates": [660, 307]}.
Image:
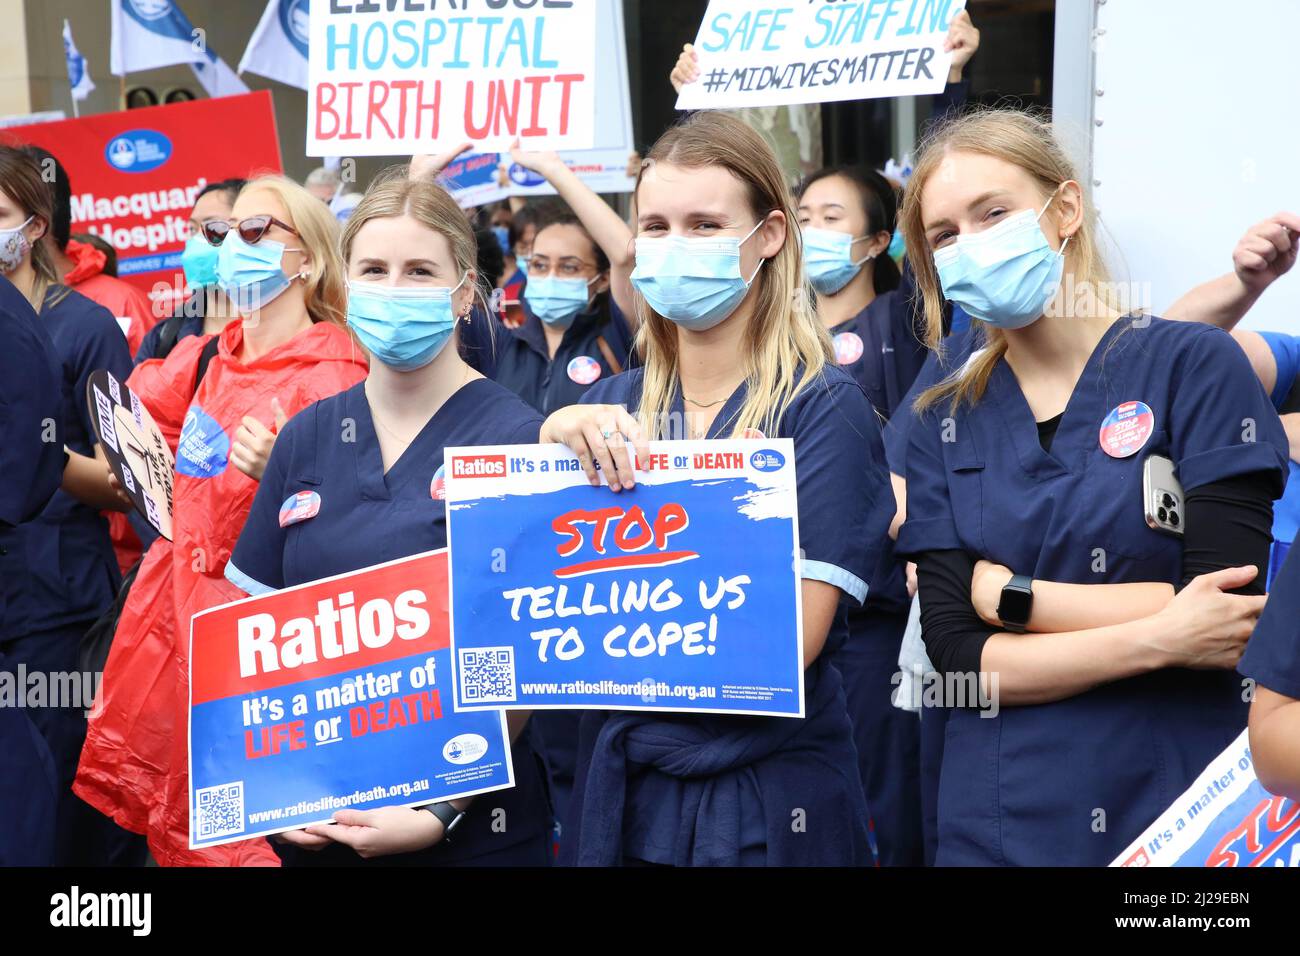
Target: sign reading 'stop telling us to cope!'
{"type": "Point", "coordinates": [680, 595]}
{"type": "Point", "coordinates": [394, 78]}
{"type": "Point", "coordinates": [779, 52]}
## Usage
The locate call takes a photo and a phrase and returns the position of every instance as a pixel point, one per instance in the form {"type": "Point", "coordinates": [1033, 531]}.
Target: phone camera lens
{"type": "Point", "coordinates": [1173, 518]}
{"type": "Point", "coordinates": [1162, 514]}
{"type": "Point", "coordinates": [1167, 500]}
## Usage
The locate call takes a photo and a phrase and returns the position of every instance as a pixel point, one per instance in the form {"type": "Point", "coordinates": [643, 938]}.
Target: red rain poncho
{"type": "Point", "coordinates": [134, 766]}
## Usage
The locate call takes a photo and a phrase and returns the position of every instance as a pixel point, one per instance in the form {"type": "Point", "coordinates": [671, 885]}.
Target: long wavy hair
{"type": "Point", "coordinates": [785, 347]}
{"type": "Point", "coordinates": [20, 178]}
{"type": "Point", "coordinates": [1022, 139]}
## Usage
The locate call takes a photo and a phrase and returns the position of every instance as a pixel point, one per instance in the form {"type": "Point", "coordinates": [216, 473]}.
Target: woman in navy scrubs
{"type": "Point", "coordinates": [1106, 647]}
{"type": "Point", "coordinates": [410, 257]}
{"type": "Point", "coordinates": [64, 553]}
{"type": "Point", "coordinates": [575, 332]}
{"type": "Point", "coordinates": [731, 351]}
{"type": "Point", "coordinates": [1272, 661]}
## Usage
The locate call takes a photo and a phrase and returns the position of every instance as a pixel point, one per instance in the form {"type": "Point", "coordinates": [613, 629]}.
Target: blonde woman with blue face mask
{"type": "Point", "coordinates": [410, 259]}
{"type": "Point", "coordinates": [731, 349]}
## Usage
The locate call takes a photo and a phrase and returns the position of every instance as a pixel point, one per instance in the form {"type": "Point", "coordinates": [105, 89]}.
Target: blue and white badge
{"type": "Point", "coordinates": [584, 370]}
{"type": "Point", "coordinates": [1126, 429]}
{"type": "Point", "coordinates": [204, 449]}
{"type": "Point", "coordinates": [299, 507]}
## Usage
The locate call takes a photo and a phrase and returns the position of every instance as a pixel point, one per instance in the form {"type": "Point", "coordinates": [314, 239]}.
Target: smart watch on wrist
{"type": "Point", "coordinates": [451, 817]}
{"type": "Point", "coordinates": [1016, 603]}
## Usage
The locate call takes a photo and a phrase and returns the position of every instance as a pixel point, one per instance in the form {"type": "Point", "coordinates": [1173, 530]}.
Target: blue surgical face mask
{"type": "Point", "coordinates": [503, 238]}
{"type": "Point", "coordinates": [694, 282]}
{"type": "Point", "coordinates": [896, 245]}
{"type": "Point", "coordinates": [522, 263]}
{"type": "Point", "coordinates": [557, 301]}
{"type": "Point", "coordinates": [405, 328]}
{"type": "Point", "coordinates": [828, 259]}
{"type": "Point", "coordinates": [252, 275]}
{"type": "Point", "coordinates": [1005, 275]}
{"type": "Point", "coordinates": [199, 262]}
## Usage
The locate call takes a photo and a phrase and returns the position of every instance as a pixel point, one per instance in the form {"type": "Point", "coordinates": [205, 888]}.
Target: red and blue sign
{"type": "Point", "coordinates": [680, 595]}
{"type": "Point", "coordinates": [332, 695]}
{"type": "Point", "coordinates": [135, 174]}
{"type": "Point", "coordinates": [1126, 429]}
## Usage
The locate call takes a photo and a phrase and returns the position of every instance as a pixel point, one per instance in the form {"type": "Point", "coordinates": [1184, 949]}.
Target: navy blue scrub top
{"type": "Point", "coordinates": [65, 553]}
{"type": "Point", "coordinates": [519, 359]}
{"type": "Point", "coordinates": [31, 412]}
{"type": "Point", "coordinates": [845, 504]}
{"type": "Point", "coordinates": [1272, 655]}
{"type": "Point", "coordinates": [883, 346]}
{"type": "Point", "coordinates": [1023, 788]}
{"type": "Point", "coordinates": [367, 517]}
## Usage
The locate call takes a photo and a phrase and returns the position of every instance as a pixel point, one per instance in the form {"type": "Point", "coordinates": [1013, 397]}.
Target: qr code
{"type": "Point", "coordinates": [487, 675]}
{"type": "Point", "coordinates": [219, 810]}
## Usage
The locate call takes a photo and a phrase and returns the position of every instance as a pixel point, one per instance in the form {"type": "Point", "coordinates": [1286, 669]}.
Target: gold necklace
{"type": "Point", "coordinates": [391, 433]}
{"type": "Point", "coordinates": [703, 404]}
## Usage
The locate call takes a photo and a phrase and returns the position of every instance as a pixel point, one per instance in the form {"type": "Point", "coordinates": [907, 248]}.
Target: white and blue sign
{"type": "Point", "coordinates": [680, 595]}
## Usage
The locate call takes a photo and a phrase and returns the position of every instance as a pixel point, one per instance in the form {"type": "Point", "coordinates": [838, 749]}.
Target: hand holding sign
{"type": "Point", "coordinates": [686, 69]}
{"type": "Point", "coordinates": [139, 459]}
{"type": "Point", "coordinates": [382, 832]}
{"type": "Point", "coordinates": [963, 40]}
{"type": "Point", "coordinates": [430, 165]}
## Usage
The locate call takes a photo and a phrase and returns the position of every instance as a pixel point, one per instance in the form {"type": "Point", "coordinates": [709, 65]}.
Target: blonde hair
{"type": "Point", "coordinates": [783, 336]}
{"type": "Point", "coordinates": [1024, 140]}
{"type": "Point", "coordinates": [324, 291]}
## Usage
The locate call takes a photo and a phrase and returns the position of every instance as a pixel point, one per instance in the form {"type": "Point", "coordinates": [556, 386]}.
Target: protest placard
{"type": "Point", "coordinates": [393, 80]}
{"type": "Point", "coordinates": [327, 696]}
{"type": "Point", "coordinates": [135, 174]}
{"type": "Point", "coordinates": [135, 448]}
{"type": "Point", "coordinates": [681, 595]}
{"type": "Point", "coordinates": [754, 53]}
{"type": "Point", "coordinates": [1225, 818]}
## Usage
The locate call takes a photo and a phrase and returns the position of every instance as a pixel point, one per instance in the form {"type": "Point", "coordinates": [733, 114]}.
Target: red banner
{"type": "Point", "coordinates": [135, 174]}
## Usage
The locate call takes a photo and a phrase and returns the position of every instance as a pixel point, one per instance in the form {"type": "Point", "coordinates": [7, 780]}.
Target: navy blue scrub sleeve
{"type": "Point", "coordinates": [843, 489]}
{"type": "Point", "coordinates": [1272, 656]}
{"type": "Point", "coordinates": [930, 524]}
{"type": "Point", "coordinates": [100, 345]}
{"type": "Point", "coordinates": [1222, 423]}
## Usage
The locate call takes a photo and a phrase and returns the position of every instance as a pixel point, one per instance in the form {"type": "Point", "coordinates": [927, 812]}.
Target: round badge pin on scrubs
{"type": "Point", "coordinates": [848, 348]}
{"type": "Point", "coordinates": [299, 507]}
{"type": "Point", "coordinates": [1126, 429]}
{"type": "Point", "coordinates": [584, 370]}
{"type": "Point", "coordinates": [438, 487]}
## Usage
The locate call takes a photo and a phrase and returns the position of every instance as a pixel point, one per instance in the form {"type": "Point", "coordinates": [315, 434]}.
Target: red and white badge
{"type": "Point", "coordinates": [299, 507]}
{"type": "Point", "coordinates": [584, 370]}
{"type": "Point", "coordinates": [1126, 429]}
{"type": "Point", "coordinates": [848, 348]}
{"type": "Point", "coordinates": [438, 487]}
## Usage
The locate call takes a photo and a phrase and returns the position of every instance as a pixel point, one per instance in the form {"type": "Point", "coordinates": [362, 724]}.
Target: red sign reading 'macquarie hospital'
{"type": "Point", "coordinates": [135, 174]}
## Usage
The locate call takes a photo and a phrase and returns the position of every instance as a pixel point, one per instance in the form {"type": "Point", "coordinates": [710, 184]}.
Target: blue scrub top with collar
{"type": "Point", "coordinates": [883, 346]}
{"type": "Point", "coordinates": [367, 517]}
{"type": "Point", "coordinates": [1025, 787]}
{"type": "Point", "coordinates": [845, 503]}
{"type": "Point", "coordinates": [65, 553]}
{"type": "Point", "coordinates": [519, 360]}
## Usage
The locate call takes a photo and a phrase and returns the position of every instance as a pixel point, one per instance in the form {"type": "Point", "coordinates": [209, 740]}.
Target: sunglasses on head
{"type": "Point", "coordinates": [251, 230]}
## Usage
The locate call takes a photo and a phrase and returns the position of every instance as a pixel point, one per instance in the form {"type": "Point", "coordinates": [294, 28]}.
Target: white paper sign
{"type": "Point", "coordinates": [755, 53]}
{"type": "Point", "coordinates": [385, 81]}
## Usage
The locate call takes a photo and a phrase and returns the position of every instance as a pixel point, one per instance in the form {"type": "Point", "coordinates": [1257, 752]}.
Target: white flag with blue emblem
{"type": "Point", "coordinates": [217, 77]}
{"type": "Point", "coordinates": [78, 70]}
{"type": "Point", "coordinates": [278, 49]}
{"type": "Point", "coordinates": [148, 34]}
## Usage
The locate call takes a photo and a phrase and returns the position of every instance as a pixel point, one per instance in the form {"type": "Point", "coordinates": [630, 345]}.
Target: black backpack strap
{"type": "Point", "coordinates": [171, 331]}
{"type": "Point", "coordinates": [1291, 403]}
{"type": "Point", "coordinates": [205, 357]}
